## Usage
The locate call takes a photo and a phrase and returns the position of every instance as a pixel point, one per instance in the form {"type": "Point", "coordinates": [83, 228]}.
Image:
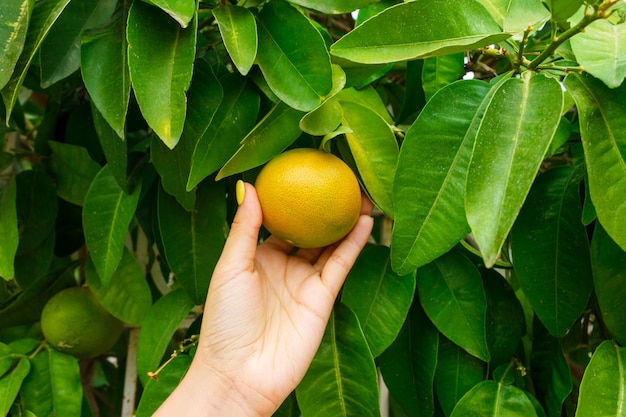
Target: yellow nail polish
{"type": "Point", "coordinates": [240, 191]}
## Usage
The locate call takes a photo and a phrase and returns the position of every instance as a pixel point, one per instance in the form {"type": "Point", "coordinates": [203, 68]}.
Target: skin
{"type": "Point", "coordinates": [264, 318]}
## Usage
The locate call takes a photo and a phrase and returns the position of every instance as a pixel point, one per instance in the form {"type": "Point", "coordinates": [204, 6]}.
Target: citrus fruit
{"type": "Point", "coordinates": [310, 198]}
{"type": "Point", "coordinates": [73, 321]}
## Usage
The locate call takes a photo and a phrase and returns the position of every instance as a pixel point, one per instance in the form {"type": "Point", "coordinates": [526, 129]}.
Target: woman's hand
{"type": "Point", "coordinates": [264, 317]}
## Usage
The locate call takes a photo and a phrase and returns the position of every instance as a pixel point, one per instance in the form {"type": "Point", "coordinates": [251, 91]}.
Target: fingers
{"type": "Point", "coordinates": [343, 257]}
{"type": "Point", "coordinates": [241, 243]}
{"type": "Point", "coordinates": [366, 205]}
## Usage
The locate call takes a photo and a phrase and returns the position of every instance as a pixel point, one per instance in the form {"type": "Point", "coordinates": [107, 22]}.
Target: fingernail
{"type": "Point", "coordinates": [240, 191]}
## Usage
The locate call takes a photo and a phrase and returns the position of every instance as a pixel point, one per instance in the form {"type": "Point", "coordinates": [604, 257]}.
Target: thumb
{"type": "Point", "coordinates": [240, 246]}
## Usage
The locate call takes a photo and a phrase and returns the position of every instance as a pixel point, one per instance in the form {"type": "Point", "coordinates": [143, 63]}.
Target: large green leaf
{"type": "Point", "coordinates": [193, 241]}
{"type": "Point", "coordinates": [563, 9]}
{"type": "Point", "coordinates": [37, 207]}
{"type": "Point", "coordinates": [603, 388]}
{"type": "Point", "coordinates": [325, 118]}
{"type": "Point", "coordinates": [342, 379]}
{"type": "Point", "coordinates": [334, 6]}
{"type": "Point", "coordinates": [13, 35]}
{"type": "Point", "coordinates": [452, 294]}
{"type": "Point", "coordinates": [379, 297]}
{"type": "Point", "coordinates": [408, 365]}
{"type": "Point", "coordinates": [494, 399]}
{"type": "Point", "coordinates": [239, 33]}
{"type": "Point", "coordinates": [180, 10]}
{"type": "Point", "coordinates": [60, 51]}
{"type": "Point", "coordinates": [107, 214]}
{"type": "Point", "coordinates": [457, 372]}
{"type": "Point", "coordinates": [513, 137]}
{"type": "Point", "coordinates": [299, 75]}
{"type": "Point", "coordinates": [157, 330]}
{"type": "Point", "coordinates": [105, 52]}
{"type": "Point", "coordinates": [174, 165]}
{"type": "Point", "coordinates": [429, 186]}
{"type": "Point", "coordinates": [551, 373]}
{"type": "Point", "coordinates": [127, 296]}
{"type": "Point", "coordinates": [44, 14]}
{"type": "Point", "coordinates": [439, 71]}
{"type": "Point", "coordinates": [551, 249]}
{"type": "Point", "coordinates": [8, 230]}
{"type": "Point", "coordinates": [73, 170]}
{"type": "Point", "coordinates": [375, 151]}
{"type": "Point", "coordinates": [160, 58]}
{"type": "Point", "coordinates": [53, 388]}
{"type": "Point", "coordinates": [11, 382]}
{"type": "Point", "coordinates": [367, 97]}
{"type": "Point", "coordinates": [609, 274]}
{"type": "Point", "coordinates": [388, 35]}
{"type": "Point", "coordinates": [506, 322]}
{"type": "Point", "coordinates": [157, 390]}
{"type": "Point", "coordinates": [219, 139]}
{"type": "Point", "coordinates": [517, 15]}
{"type": "Point", "coordinates": [602, 114]}
{"type": "Point", "coordinates": [273, 134]}
{"type": "Point", "coordinates": [600, 48]}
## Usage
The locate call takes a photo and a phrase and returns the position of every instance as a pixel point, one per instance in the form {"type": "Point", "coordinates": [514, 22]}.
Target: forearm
{"type": "Point", "coordinates": [209, 395]}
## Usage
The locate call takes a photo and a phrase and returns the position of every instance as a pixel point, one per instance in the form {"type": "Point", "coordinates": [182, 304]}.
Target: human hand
{"type": "Point", "coordinates": [265, 315]}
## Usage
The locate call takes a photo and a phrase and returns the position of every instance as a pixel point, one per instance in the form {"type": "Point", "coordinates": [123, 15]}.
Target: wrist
{"type": "Point", "coordinates": [205, 392]}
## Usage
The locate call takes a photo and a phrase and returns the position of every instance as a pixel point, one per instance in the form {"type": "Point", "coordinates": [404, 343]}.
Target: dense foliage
{"type": "Point", "coordinates": [490, 134]}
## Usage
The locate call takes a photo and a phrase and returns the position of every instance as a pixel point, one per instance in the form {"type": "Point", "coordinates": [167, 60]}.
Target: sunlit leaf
{"type": "Point", "coordinates": [180, 10]}
{"type": "Point", "coordinates": [439, 71]}
{"type": "Point", "coordinates": [563, 9]}
{"type": "Point", "coordinates": [13, 35]}
{"type": "Point", "coordinates": [512, 140]}
{"type": "Point", "coordinates": [238, 28]}
{"type": "Point", "coordinates": [11, 382]}
{"type": "Point", "coordinates": [602, 114]}
{"type": "Point", "coordinates": [334, 6]}
{"type": "Point", "coordinates": [386, 36]}
{"type": "Point", "coordinates": [493, 399]}
{"type": "Point", "coordinates": [160, 58]}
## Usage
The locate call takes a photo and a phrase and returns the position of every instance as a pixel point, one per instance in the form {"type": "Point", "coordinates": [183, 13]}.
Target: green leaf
{"type": "Point", "coordinates": [551, 373]}
{"type": "Point", "coordinates": [516, 15]}
{"type": "Point", "coordinates": [193, 241]}
{"type": "Point", "coordinates": [601, 112]}
{"type": "Point", "coordinates": [239, 33]}
{"type": "Point", "coordinates": [334, 6]}
{"type": "Point", "coordinates": [367, 97]}
{"type": "Point", "coordinates": [457, 372]}
{"type": "Point", "coordinates": [53, 388]}
{"type": "Point", "coordinates": [180, 10]}
{"type": "Point", "coordinates": [344, 366]}
{"type": "Point", "coordinates": [563, 9]}
{"type": "Point", "coordinates": [452, 294]}
{"type": "Point", "coordinates": [37, 207]}
{"type": "Point", "coordinates": [221, 137]}
{"type": "Point", "coordinates": [8, 230]}
{"type": "Point", "coordinates": [16, 16]}
{"type": "Point", "coordinates": [493, 399]}
{"type": "Point", "coordinates": [609, 272]}
{"type": "Point", "coordinates": [11, 382]}
{"type": "Point", "coordinates": [34, 263]}
{"type": "Point", "coordinates": [379, 297]}
{"type": "Point", "coordinates": [551, 250]}
{"type": "Point", "coordinates": [113, 147]}
{"type": "Point", "coordinates": [105, 52]}
{"type": "Point", "coordinates": [327, 116]}
{"type": "Point", "coordinates": [157, 390]}
{"type": "Point", "coordinates": [408, 365]}
{"type": "Point", "coordinates": [599, 50]}
{"type": "Point", "coordinates": [439, 71]}
{"type": "Point", "coordinates": [386, 36]}
{"type": "Point", "coordinates": [506, 322]}
{"type": "Point", "coordinates": [60, 51]}
{"type": "Point", "coordinates": [436, 151]}
{"type": "Point", "coordinates": [74, 171]}
{"type": "Point", "coordinates": [507, 156]}
{"type": "Point", "coordinates": [300, 76]}
{"type": "Point", "coordinates": [44, 14]}
{"type": "Point", "coordinates": [127, 296]}
{"type": "Point", "coordinates": [603, 388]}
{"type": "Point", "coordinates": [273, 134]}
{"type": "Point", "coordinates": [375, 151]}
{"type": "Point", "coordinates": [160, 58]}
{"type": "Point", "coordinates": [157, 330]}
{"type": "Point", "coordinates": [107, 214]}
